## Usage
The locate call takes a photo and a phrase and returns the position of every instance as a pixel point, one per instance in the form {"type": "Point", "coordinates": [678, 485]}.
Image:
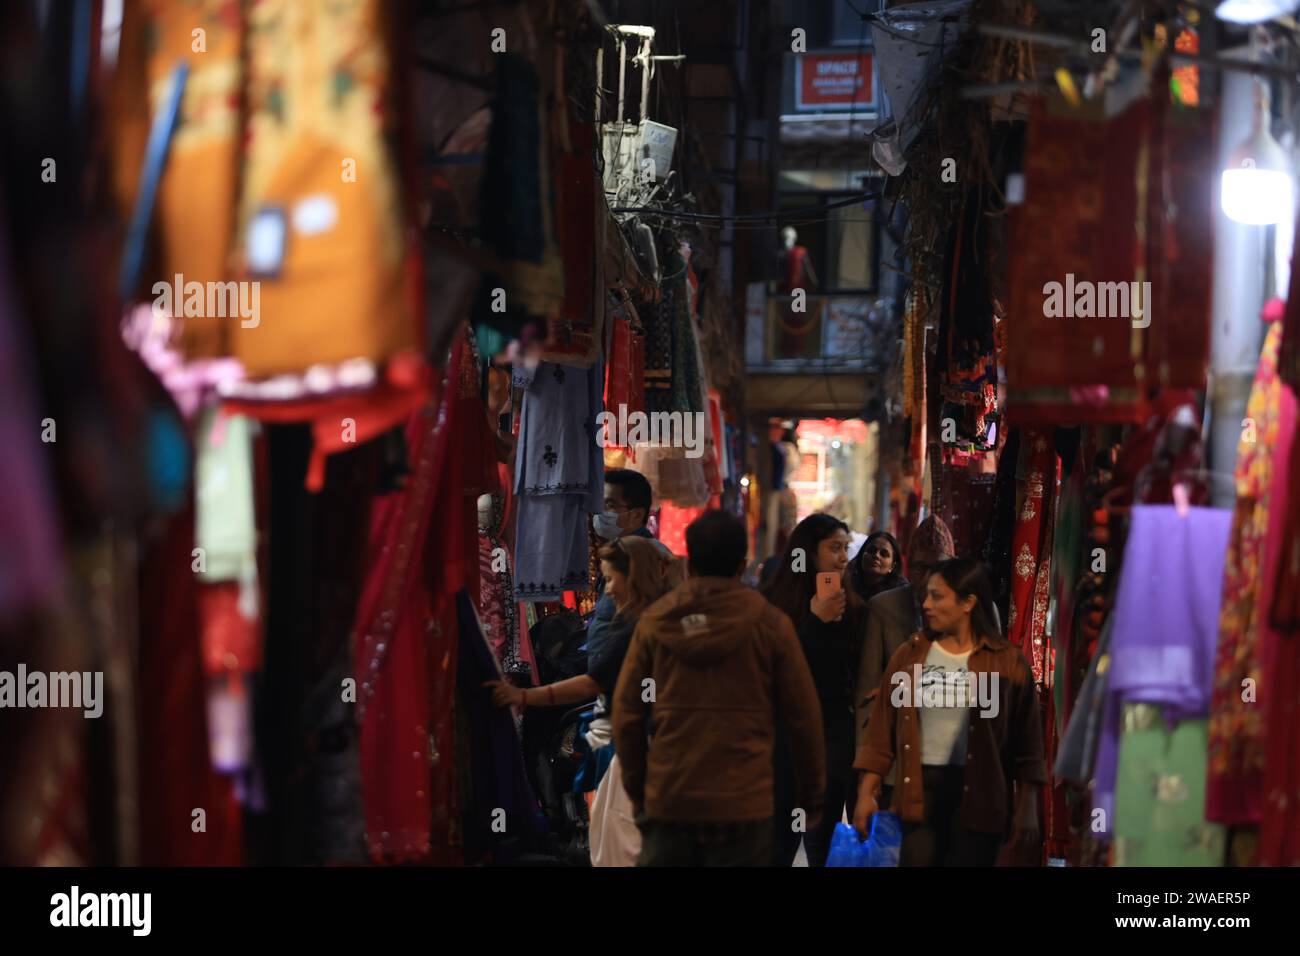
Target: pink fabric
{"type": "Point", "coordinates": [189, 383]}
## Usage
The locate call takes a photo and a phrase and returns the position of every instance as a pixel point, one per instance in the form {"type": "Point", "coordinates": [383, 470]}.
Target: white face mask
{"type": "Point", "coordinates": [606, 525]}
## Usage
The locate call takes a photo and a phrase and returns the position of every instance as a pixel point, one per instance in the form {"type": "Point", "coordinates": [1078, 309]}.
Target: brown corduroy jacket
{"type": "Point", "coordinates": [1002, 748]}
{"type": "Point", "coordinates": [722, 660]}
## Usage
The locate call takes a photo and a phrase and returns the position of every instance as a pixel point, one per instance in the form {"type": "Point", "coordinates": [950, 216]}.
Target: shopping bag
{"type": "Point", "coordinates": [880, 848]}
{"type": "Point", "coordinates": [615, 837]}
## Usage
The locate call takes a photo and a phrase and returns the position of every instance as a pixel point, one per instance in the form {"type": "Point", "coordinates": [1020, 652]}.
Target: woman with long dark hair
{"type": "Point", "coordinates": [829, 625]}
{"type": "Point", "coordinates": [959, 717]}
{"type": "Point", "coordinates": [877, 567]}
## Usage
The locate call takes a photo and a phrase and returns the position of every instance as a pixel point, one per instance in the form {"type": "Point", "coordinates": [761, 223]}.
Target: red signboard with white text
{"type": "Point", "coordinates": [833, 81]}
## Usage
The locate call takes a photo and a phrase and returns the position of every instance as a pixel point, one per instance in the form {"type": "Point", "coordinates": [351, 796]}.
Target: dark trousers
{"type": "Point", "coordinates": [841, 791]}
{"type": "Point", "coordinates": [748, 843]}
{"type": "Point", "coordinates": [940, 839]}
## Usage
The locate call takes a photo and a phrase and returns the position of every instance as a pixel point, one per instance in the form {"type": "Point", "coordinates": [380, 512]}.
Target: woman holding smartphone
{"type": "Point", "coordinates": [810, 587]}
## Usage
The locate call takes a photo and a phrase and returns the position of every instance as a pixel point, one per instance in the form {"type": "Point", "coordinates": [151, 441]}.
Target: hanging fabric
{"type": "Point", "coordinates": [1237, 728]}
{"type": "Point", "coordinates": [1032, 555]}
{"type": "Point", "coordinates": [1279, 688]}
{"type": "Point", "coordinates": [1166, 623]}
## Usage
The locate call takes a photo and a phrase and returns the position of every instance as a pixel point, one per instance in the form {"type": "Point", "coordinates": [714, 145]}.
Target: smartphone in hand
{"type": "Point", "coordinates": [828, 584]}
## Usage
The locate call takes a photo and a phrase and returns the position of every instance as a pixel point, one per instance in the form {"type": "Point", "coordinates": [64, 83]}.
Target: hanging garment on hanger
{"type": "Point", "coordinates": [1237, 728]}
{"type": "Point", "coordinates": [1160, 793]}
{"type": "Point", "coordinates": [320, 215]}
{"type": "Point", "coordinates": [559, 478]}
{"type": "Point", "coordinates": [405, 632]}
{"type": "Point", "coordinates": [200, 178]}
{"type": "Point", "coordinates": [574, 336]}
{"type": "Point", "coordinates": [283, 155]}
{"type": "Point", "coordinates": [1108, 188]}
{"type": "Point", "coordinates": [625, 364]}
{"type": "Point", "coordinates": [1165, 627]}
{"type": "Point", "coordinates": [498, 781]}
{"type": "Point", "coordinates": [1032, 555]}
{"type": "Point", "coordinates": [504, 624]}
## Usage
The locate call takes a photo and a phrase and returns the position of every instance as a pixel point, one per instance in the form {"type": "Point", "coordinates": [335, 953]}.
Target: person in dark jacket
{"type": "Point", "coordinates": [877, 567]}
{"type": "Point", "coordinates": [830, 633]}
{"type": "Point", "coordinates": [713, 661]}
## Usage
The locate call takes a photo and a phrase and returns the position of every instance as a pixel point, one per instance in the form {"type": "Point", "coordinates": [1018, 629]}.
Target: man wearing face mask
{"type": "Point", "coordinates": [627, 508]}
{"type": "Point", "coordinates": [627, 505]}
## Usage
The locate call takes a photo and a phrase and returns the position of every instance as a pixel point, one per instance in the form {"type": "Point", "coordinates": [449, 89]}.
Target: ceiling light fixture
{"type": "Point", "coordinates": [1257, 187]}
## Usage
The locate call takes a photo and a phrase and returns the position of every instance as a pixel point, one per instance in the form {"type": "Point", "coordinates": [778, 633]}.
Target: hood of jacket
{"type": "Point", "coordinates": [706, 619]}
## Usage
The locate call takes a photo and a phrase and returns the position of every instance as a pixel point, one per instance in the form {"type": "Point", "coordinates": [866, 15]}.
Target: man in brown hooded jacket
{"type": "Point", "coordinates": [708, 665]}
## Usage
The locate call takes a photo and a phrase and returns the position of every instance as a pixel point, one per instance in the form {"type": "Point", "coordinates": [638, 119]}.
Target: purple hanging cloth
{"type": "Point", "coordinates": [1166, 625]}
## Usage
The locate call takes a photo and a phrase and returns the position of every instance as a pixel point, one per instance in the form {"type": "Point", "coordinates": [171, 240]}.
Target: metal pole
{"type": "Point", "coordinates": [645, 75]}
{"type": "Point", "coordinates": [622, 71]}
{"type": "Point", "coordinates": [1239, 254]}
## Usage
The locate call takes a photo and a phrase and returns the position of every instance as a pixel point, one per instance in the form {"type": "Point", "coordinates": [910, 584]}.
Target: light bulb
{"type": "Point", "coordinates": [1256, 197]}
{"type": "Point", "coordinates": [1256, 187]}
{"type": "Point", "coordinates": [1253, 11]}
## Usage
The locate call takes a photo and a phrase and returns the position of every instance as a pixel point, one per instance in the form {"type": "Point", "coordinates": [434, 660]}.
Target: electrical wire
{"type": "Point", "coordinates": [776, 215]}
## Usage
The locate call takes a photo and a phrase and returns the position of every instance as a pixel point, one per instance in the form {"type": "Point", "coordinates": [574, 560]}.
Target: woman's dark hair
{"type": "Point", "coordinates": [792, 590]}
{"type": "Point", "coordinates": [860, 562]}
{"type": "Point", "coordinates": [969, 577]}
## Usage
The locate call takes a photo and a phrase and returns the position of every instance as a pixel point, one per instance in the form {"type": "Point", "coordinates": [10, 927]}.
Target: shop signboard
{"type": "Point", "coordinates": [833, 81]}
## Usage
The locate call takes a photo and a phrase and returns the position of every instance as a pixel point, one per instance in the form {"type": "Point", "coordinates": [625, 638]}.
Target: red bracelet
{"type": "Point", "coordinates": [550, 695]}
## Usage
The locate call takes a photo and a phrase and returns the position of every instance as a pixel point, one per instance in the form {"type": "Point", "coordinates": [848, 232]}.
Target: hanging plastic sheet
{"type": "Point", "coordinates": [911, 42]}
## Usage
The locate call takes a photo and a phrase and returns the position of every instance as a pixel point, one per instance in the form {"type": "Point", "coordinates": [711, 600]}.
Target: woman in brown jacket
{"type": "Point", "coordinates": [961, 721]}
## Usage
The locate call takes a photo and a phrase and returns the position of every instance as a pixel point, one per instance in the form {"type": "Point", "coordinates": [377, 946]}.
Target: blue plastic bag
{"type": "Point", "coordinates": [880, 848]}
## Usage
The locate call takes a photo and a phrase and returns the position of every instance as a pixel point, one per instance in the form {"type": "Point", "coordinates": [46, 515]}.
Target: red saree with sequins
{"type": "Point", "coordinates": [405, 640]}
{"type": "Point", "coordinates": [391, 645]}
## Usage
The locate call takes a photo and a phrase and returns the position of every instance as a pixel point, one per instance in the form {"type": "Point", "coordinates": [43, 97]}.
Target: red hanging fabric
{"type": "Point", "coordinates": [405, 637]}
{"type": "Point", "coordinates": [1031, 554]}
{"type": "Point", "coordinates": [1279, 692]}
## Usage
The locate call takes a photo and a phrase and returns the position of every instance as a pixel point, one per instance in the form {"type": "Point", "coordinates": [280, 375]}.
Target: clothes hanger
{"type": "Point", "coordinates": [1180, 480]}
